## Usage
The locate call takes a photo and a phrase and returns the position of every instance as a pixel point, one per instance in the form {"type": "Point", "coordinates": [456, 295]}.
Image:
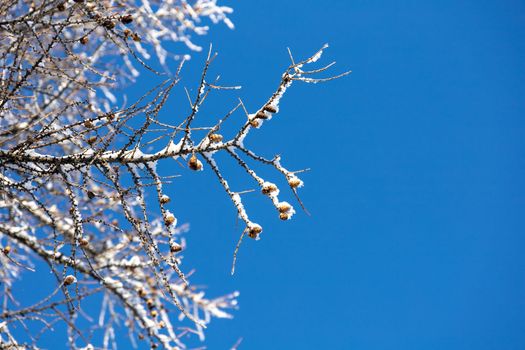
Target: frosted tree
{"type": "Point", "coordinates": [80, 193]}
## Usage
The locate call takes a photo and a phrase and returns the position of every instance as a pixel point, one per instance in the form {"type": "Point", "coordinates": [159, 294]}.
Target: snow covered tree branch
{"type": "Point", "coordinates": [80, 191]}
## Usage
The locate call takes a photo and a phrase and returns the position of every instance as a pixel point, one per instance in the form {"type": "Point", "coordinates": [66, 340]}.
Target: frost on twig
{"type": "Point", "coordinates": [69, 187]}
{"type": "Point", "coordinates": [79, 184]}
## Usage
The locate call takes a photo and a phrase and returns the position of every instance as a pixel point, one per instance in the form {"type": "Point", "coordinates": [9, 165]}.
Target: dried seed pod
{"type": "Point", "coordinates": [7, 249]}
{"type": "Point", "coordinates": [61, 7]}
{"type": "Point", "coordinates": [141, 336]}
{"type": "Point", "coordinates": [90, 195]}
{"type": "Point", "coordinates": [84, 40]}
{"type": "Point", "coordinates": [162, 324]}
{"type": "Point", "coordinates": [126, 19]}
{"type": "Point", "coordinates": [150, 303]}
{"type": "Point", "coordinates": [70, 279]}
{"type": "Point", "coordinates": [175, 247]}
{"type": "Point", "coordinates": [215, 138]}
{"type": "Point", "coordinates": [154, 313]}
{"type": "Point", "coordinates": [108, 24]}
{"type": "Point", "coordinates": [92, 140]}
{"type": "Point", "coordinates": [169, 220]}
{"type": "Point", "coordinates": [127, 33]}
{"type": "Point", "coordinates": [164, 199]}
{"type": "Point", "coordinates": [254, 230]}
{"type": "Point", "coordinates": [194, 163]}
{"type": "Point", "coordinates": [283, 207]}
{"type": "Point", "coordinates": [135, 37]}
{"type": "Point", "coordinates": [261, 115]}
{"type": "Point", "coordinates": [268, 188]}
{"type": "Point", "coordinates": [83, 242]}
{"type": "Point", "coordinates": [142, 293]}
{"type": "Point", "coordinates": [88, 123]}
{"type": "Point", "coordinates": [294, 182]}
{"type": "Point", "coordinates": [270, 108]}
{"type": "Point", "coordinates": [283, 216]}
{"type": "Point", "coordinates": [254, 123]}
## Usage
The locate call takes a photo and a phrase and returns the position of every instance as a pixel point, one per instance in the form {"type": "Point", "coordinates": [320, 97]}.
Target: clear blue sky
{"type": "Point", "coordinates": [416, 191]}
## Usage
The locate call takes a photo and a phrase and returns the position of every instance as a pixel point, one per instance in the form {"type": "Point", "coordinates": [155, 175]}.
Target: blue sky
{"type": "Point", "coordinates": [417, 183]}
{"type": "Point", "coordinates": [416, 186]}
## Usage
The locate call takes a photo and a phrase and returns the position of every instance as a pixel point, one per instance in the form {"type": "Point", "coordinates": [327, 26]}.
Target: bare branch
{"type": "Point", "coordinates": [80, 192]}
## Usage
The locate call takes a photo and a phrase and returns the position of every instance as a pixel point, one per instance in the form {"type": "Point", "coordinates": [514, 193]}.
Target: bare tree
{"type": "Point", "coordinates": [76, 169]}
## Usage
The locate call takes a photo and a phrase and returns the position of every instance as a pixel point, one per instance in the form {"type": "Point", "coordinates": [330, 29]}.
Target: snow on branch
{"type": "Point", "coordinates": [80, 191]}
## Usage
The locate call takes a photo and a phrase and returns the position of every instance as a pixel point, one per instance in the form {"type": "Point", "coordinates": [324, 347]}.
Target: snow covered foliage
{"type": "Point", "coordinates": [79, 185]}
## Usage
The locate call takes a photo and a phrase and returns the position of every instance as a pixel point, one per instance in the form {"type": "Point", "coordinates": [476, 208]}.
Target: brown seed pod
{"type": "Point", "coordinates": [150, 303]}
{"type": "Point", "coordinates": [108, 24]}
{"type": "Point", "coordinates": [294, 182]}
{"type": "Point", "coordinates": [283, 216]}
{"type": "Point", "coordinates": [164, 199]}
{"type": "Point", "coordinates": [169, 220]}
{"type": "Point", "coordinates": [7, 249]}
{"type": "Point", "coordinates": [261, 115]}
{"type": "Point", "coordinates": [141, 336]}
{"type": "Point", "coordinates": [175, 247]}
{"type": "Point", "coordinates": [268, 188]}
{"type": "Point", "coordinates": [127, 33]}
{"type": "Point", "coordinates": [83, 242]}
{"type": "Point", "coordinates": [215, 138]}
{"type": "Point", "coordinates": [61, 7]}
{"type": "Point", "coordinates": [70, 279]}
{"type": "Point", "coordinates": [141, 292]}
{"type": "Point", "coordinates": [254, 231]}
{"type": "Point", "coordinates": [270, 108]}
{"type": "Point", "coordinates": [284, 207]}
{"type": "Point", "coordinates": [254, 123]}
{"type": "Point", "coordinates": [194, 163]}
{"type": "Point", "coordinates": [135, 37]}
{"type": "Point", "coordinates": [92, 140]}
{"type": "Point", "coordinates": [90, 194]}
{"type": "Point", "coordinates": [88, 123]}
{"type": "Point", "coordinates": [126, 19]}
{"type": "Point", "coordinates": [84, 40]}
{"type": "Point", "coordinates": [154, 313]}
{"type": "Point", "coordinates": [162, 324]}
